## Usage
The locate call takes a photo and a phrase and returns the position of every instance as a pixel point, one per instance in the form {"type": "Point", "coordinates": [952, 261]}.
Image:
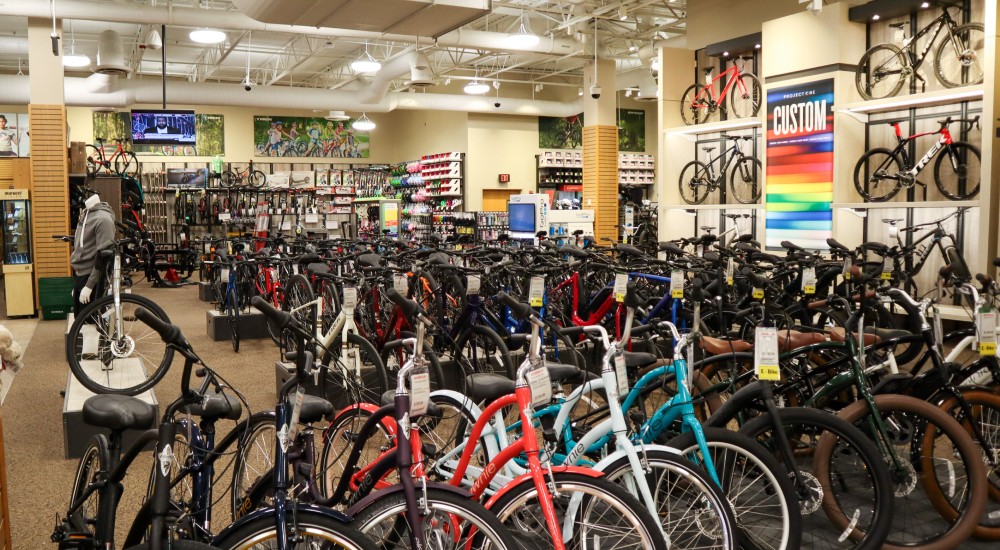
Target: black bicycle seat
{"type": "Point", "coordinates": [891, 220]}
{"type": "Point", "coordinates": [574, 251]}
{"type": "Point", "coordinates": [118, 412]}
{"type": "Point", "coordinates": [708, 149]}
{"type": "Point", "coordinates": [559, 372]}
{"type": "Point", "coordinates": [623, 248]}
{"type": "Point", "coordinates": [314, 409]}
{"type": "Point", "coordinates": [369, 260]}
{"type": "Point", "coordinates": [639, 359]}
{"type": "Point", "coordinates": [389, 398]}
{"type": "Point", "coordinates": [485, 387]}
{"type": "Point", "coordinates": [834, 244]}
{"type": "Point", "coordinates": [99, 139]}
{"type": "Point", "coordinates": [318, 268]}
{"type": "Point", "coordinates": [897, 25]}
{"type": "Point", "coordinates": [216, 406]}
{"type": "Point", "coordinates": [707, 228]}
{"type": "Point", "coordinates": [790, 246]}
{"type": "Point", "coordinates": [708, 70]}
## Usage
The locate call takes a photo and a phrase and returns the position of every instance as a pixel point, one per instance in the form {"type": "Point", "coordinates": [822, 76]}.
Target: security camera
{"type": "Point", "coordinates": [497, 104]}
{"type": "Point", "coordinates": [595, 91]}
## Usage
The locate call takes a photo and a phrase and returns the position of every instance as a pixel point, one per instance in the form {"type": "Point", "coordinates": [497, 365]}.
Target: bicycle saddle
{"type": "Point", "coordinates": [834, 244]}
{"type": "Point", "coordinates": [628, 249]}
{"type": "Point", "coordinates": [792, 339]}
{"type": "Point", "coordinates": [485, 387]}
{"type": "Point", "coordinates": [318, 268]}
{"type": "Point", "coordinates": [314, 409]}
{"type": "Point", "coordinates": [718, 346]}
{"type": "Point", "coordinates": [838, 334]}
{"type": "Point", "coordinates": [670, 248]}
{"type": "Point", "coordinates": [792, 247]}
{"type": "Point", "coordinates": [370, 260]}
{"type": "Point", "coordinates": [765, 257]}
{"type": "Point", "coordinates": [389, 398]}
{"type": "Point", "coordinates": [877, 248]}
{"type": "Point", "coordinates": [746, 247]}
{"type": "Point", "coordinates": [888, 333]}
{"type": "Point", "coordinates": [711, 256]}
{"type": "Point", "coordinates": [708, 149]}
{"type": "Point", "coordinates": [216, 406]}
{"type": "Point", "coordinates": [707, 228]}
{"type": "Point", "coordinates": [308, 258]}
{"type": "Point", "coordinates": [118, 413]}
{"type": "Point", "coordinates": [99, 139]}
{"type": "Point", "coordinates": [708, 70]}
{"type": "Point", "coordinates": [897, 25]}
{"type": "Point", "coordinates": [891, 220]}
{"type": "Point", "coordinates": [573, 251]}
{"type": "Point", "coordinates": [639, 359]}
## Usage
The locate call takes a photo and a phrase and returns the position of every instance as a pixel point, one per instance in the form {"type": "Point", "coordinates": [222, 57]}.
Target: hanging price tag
{"type": "Point", "coordinates": [296, 410]}
{"type": "Point", "coordinates": [295, 269]}
{"type": "Point", "coordinates": [332, 224]}
{"type": "Point", "coordinates": [400, 284]}
{"type": "Point", "coordinates": [621, 374]}
{"type": "Point", "coordinates": [757, 294]}
{"type": "Point", "coordinates": [286, 225]}
{"type": "Point", "coordinates": [420, 391]}
{"type": "Point", "coordinates": [224, 275]}
{"type": "Point", "coordinates": [540, 385]}
{"type": "Point", "coordinates": [472, 288]}
{"type": "Point", "coordinates": [350, 297]}
{"type": "Point", "coordinates": [848, 264]}
{"type": "Point", "coordinates": [730, 267]}
{"type": "Point", "coordinates": [621, 287]}
{"type": "Point", "coordinates": [765, 353]}
{"type": "Point", "coordinates": [986, 330]}
{"type": "Point", "coordinates": [677, 284]}
{"type": "Point", "coordinates": [809, 280]}
{"type": "Point", "coordinates": [887, 269]}
{"type": "Point", "coordinates": [312, 218]}
{"type": "Point", "coordinates": [536, 291]}
{"type": "Point", "coordinates": [225, 216]}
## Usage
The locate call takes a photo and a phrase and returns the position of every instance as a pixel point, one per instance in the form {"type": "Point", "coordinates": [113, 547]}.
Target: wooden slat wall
{"type": "Point", "coordinates": [15, 172]}
{"type": "Point", "coordinates": [600, 179]}
{"type": "Point", "coordinates": [50, 190]}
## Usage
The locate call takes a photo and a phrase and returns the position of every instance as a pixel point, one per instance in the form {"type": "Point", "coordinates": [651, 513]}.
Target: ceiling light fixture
{"type": "Point", "coordinates": [476, 87]}
{"type": "Point", "coordinates": [925, 5]}
{"type": "Point", "coordinates": [207, 36]}
{"type": "Point", "coordinates": [73, 59]}
{"type": "Point", "coordinates": [876, 17]}
{"type": "Point", "coordinates": [579, 91]}
{"type": "Point", "coordinates": [366, 64]}
{"type": "Point", "coordinates": [756, 46]}
{"type": "Point", "coordinates": [523, 38]}
{"type": "Point", "coordinates": [725, 54]}
{"type": "Point", "coordinates": [363, 124]}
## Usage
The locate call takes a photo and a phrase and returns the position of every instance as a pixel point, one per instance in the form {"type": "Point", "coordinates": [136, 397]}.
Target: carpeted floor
{"type": "Point", "coordinates": [39, 478]}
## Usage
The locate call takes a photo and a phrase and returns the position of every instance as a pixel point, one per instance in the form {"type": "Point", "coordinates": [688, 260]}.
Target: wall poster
{"type": "Point", "coordinates": [284, 136]}
{"type": "Point", "coordinates": [209, 135]}
{"type": "Point", "coordinates": [632, 130]}
{"type": "Point", "coordinates": [800, 165]}
{"type": "Point", "coordinates": [567, 132]}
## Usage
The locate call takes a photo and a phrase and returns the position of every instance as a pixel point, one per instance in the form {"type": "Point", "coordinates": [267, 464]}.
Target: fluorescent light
{"type": "Point", "coordinates": [476, 88]}
{"type": "Point", "coordinates": [75, 60]}
{"type": "Point", "coordinates": [363, 124]}
{"type": "Point", "coordinates": [207, 36]}
{"type": "Point", "coordinates": [523, 38]}
{"type": "Point", "coordinates": [366, 66]}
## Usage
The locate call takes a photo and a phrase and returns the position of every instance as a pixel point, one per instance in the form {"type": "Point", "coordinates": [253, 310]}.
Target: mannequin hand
{"type": "Point", "coordinates": [85, 295]}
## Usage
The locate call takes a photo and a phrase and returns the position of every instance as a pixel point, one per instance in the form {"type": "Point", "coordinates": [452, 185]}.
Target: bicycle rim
{"type": "Point", "coordinates": [962, 66]}
{"type": "Point", "coordinates": [881, 72]}
{"type": "Point", "coordinates": [873, 175]}
{"type": "Point", "coordinates": [958, 170]}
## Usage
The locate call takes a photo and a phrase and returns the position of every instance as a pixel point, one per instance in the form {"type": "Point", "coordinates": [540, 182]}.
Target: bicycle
{"type": "Point", "coordinates": [240, 178]}
{"type": "Point", "coordinates": [910, 259]}
{"type": "Point", "coordinates": [125, 163]}
{"type": "Point", "coordinates": [957, 62]}
{"type": "Point", "coordinates": [698, 178]}
{"type": "Point", "coordinates": [881, 173]}
{"type": "Point", "coordinates": [743, 89]}
{"type": "Point", "coordinates": [232, 290]}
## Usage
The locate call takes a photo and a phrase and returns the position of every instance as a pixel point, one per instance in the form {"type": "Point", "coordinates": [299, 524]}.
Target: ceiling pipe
{"type": "Point", "coordinates": [407, 64]}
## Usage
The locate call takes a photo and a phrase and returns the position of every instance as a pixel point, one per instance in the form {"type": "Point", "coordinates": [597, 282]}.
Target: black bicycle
{"type": "Point", "coordinates": [698, 178]}
{"type": "Point", "coordinates": [957, 61]}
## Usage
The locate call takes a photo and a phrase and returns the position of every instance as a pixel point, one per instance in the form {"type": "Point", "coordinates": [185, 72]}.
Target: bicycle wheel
{"type": "Point", "coordinates": [340, 438]}
{"type": "Point", "coordinates": [957, 171]}
{"type": "Point", "coordinates": [233, 316]}
{"type": "Point", "coordinates": [941, 491]}
{"type": "Point", "coordinates": [229, 179]}
{"type": "Point", "coordinates": [448, 520]}
{"type": "Point", "coordinates": [178, 545]}
{"type": "Point", "coordinates": [297, 293]}
{"type": "Point", "coordinates": [755, 483]}
{"type": "Point", "coordinates": [126, 164]}
{"type": "Point", "coordinates": [484, 351]}
{"type": "Point", "coordinates": [308, 528]}
{"type": "Point", "coordinates": [958, 60]}
{"type": "Point", "coordinates": [694, 182]}
{"type": "Point", "coordinates": [355, 374]}
{"type": "Point", "coordinates": [394, 352]}
{"type": "Point", "coordinates": [744, 96]}
{"type": "Point", "coordinates": [254, 459]}
{"type": "Point", "coordinates": [881, 72]}
{"type": "Point", "coordinates": [449, 430]}
{"type": "Point", "coordinates": [745, 181]}
{"type": "Point", "coordinates": [984, 415]}
{"type": "Point", "coordinates": [256, 178]}
{"type": "Point", "coordinates": [692, 510]}
{"type": "Point", "coordinates": [105, 360]}
{"type": "Point", "coordinates": [95, 160]}
{"type": "Point", "coordinates": [93, 465]}
{"type": "Point", "coordinates": [876, 175]}
{"type": "Point", "coordinates": [694, 106]}
{"type": "Point", "coordinates": [605, 515]}
{"type": "Point", "coordinates": [847, 477]}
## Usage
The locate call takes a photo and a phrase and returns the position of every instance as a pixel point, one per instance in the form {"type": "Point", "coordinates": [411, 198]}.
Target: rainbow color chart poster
{"type": "Point", "coordinates": [800, 165]}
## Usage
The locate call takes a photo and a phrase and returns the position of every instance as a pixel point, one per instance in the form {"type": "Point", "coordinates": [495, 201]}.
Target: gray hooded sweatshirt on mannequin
{"type": "Point", "coordinates": [95, 231]}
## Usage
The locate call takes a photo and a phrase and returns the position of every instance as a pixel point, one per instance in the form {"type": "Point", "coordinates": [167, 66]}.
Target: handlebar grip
{"type": "Point", "coordinates": [697, 293]}
{"type": "Point", "coordinates": [571, 331]}
{"type": "Point", "coordinates": [169, 333]}
{"type": "Point", "coordinates": [281, 318]}
{"type": "Point", "coordinates": [409, 308]}
{"type": "Point", "coordinates": [984, 279]}
{"type": "Point", "coordinates": [519, 310]}
{"type": "Point", "coordinates": [945, 272]}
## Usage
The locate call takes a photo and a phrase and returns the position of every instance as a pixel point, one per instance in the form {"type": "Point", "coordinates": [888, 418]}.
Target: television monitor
{"type": "Point", "coordinates": [151, 127]}
{"type": "Point", "coordinates": [522, 217]}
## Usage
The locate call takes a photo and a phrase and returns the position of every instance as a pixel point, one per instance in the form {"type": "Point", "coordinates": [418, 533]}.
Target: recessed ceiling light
{"type": "Point", "coordinates": [876, 17]}
{"type": "Point", "coordinates": [75, 60]}
{"type": "Point", "coordinates": [207, 36]}
{"type": "Point", "coordinates": [925, 5]}
{"type": "Point", "coordinates": [476, 88]}
{"type": "Point", "coordinates": [725, 54]}
{"type": "Point", "coordinates": [363, 124]}
{"type": "Point", "coordinates": [756, 46]}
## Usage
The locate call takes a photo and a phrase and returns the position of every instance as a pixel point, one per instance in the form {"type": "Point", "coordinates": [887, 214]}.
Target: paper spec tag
{"type": "Point", "coordinates": [332, 224]}
{"type": "Point", "coordinates": [729, 272]}
{"type": "Point", "coordinates": [677, 284]}
{"type": "Point", "coordinates": [420, 391]}
{"type": "Point", "coordinates": [536, 291]}
{"type": "Point", "coordinates": [296, 410]}
{"type": "Point", "coordinates": [224, 274]}
{"type": "Point", "coordinates": [312, 218]}
{"type": "Point", "coordinates": [400, 284]}
{"type": "Point", "coordinates": [621, 287]}
{"type": "Point", "coordinates": [887, 268]}
{"type": "Point", "coordinates": [295, 269]}
{"type": "Point", "coordinates": [350, 297]}
{"type": "Point", "coordinates": [765, 353]}
{"type": "Point", "coordinates": [541, 386]}
{"type": "Point", "coordinates": [848, 264]}
{"type": "Point", "coordinates": [621, 374]}
{"type": "Point", "coordinates": [986, 330]}
{"type": "Point", "coordinates": [286, 225]}
{"type": "Point", "coordinates": [757, 293]}
{"type": "Point", "coordinates": [809, 280]}
{"type": "Point", "coordinates": [225, 216]}
{"type": "Point", "coordinates": [472, 288]}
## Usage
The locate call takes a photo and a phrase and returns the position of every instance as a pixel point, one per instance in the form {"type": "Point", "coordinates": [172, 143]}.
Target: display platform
{"type": "Point", "coordinates": [252, 325]}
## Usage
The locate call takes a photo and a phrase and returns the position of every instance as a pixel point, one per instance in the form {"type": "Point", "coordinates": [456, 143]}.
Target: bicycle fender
{"type": "Point", "coordinates": [339, 517]}
{"type": "Point", "coordinates": [390, 427]}
{"type": "Point", "coordinates": [600, 466]}
{"type": "Point", "coordinates": [467, 403]}
{"type": "Point", "coordinates": [398, 488]}
{"type": "Point", "coordinates": [731, 408]}
{"type": "Point", "coordinates": [526, 478]}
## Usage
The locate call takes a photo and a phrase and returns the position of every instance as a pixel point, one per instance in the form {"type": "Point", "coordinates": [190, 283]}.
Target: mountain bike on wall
{"type": "Point", "coordinates": [958, 60]}
{"type": "Point", "coordinates": [698, 178]}
{"type": "Point", "coordinates": [743, 89]}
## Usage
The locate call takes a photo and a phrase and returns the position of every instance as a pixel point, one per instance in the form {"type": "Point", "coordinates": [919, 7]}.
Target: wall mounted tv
{"type": "Point", "coordinates": [151, 127]}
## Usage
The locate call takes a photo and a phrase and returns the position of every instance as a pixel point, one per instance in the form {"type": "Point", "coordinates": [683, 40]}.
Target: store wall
{"type": "Point", "coordinates": [417, 133]}
{"type": "Point", "coordinates": [500, 145]}
{"type": "Point", "coordinates": [711, 21]}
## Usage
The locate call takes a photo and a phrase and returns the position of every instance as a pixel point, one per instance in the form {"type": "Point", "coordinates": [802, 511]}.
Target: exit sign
{"type": "Point", "coordinates": [504, 178]}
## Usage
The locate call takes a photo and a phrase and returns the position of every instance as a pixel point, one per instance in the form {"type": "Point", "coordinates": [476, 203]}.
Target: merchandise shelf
{"type": "Point", "coordinates": [737, 206]}
{"type": "Point", "coordinates": [914, 204]}
{"type": "Point", "coordinates": [862, 109]}
{"type": "Point", "coordinates": [692, 132]}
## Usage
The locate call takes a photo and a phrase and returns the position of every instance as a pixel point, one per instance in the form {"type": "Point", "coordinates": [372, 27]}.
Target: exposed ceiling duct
{"type": "Point", "coordinates": [415, 64]}
{"type": "Point", "coordinates": [110, 54]}
{"type": "Point", "coordinates": [641, 79]}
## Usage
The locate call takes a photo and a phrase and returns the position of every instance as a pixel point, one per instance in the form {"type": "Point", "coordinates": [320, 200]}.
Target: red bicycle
{"type": "Point", "coordinates": [701, 100]}
{"type": "Point", "coordinates": [124, 161]}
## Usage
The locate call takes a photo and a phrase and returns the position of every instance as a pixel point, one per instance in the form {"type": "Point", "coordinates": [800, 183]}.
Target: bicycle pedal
{"type": "Point", "coordinates": [77, 541]}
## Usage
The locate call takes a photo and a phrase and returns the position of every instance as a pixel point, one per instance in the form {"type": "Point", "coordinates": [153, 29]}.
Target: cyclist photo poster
{"type": "Point", "coordinates": [800, 164]}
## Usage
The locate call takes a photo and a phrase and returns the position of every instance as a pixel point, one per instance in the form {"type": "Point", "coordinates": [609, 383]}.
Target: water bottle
{"type": "Point", "coordinates": [217, 164]}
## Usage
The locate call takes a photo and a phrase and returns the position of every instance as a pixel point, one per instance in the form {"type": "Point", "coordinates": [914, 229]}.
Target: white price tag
{"type": "Point", "coordinates": [332, 224]}
{"type": "Point", "coordinates": [887, 268]}
{"type": "Point", "coordinates": [286, 225]}
{"type": "Point", "coordinates": [986, 330]}
{"type": "Point", "coordinates": [536, 291]}
{"type": "Point", "coordinates": [621, 287]}
{"type": "Point", "coordinates": [677, 284]}
{"type": "Point", "coordinates": [224, 275]}
{"type": "Point", "coordinates": [295, 269]}
{"type": "Point", "coordinates": [848, 264]}
{"type": "Point", "coordinates": [225, 216]}
{"type": "Point", "coordinates": [541, 386]}
{"type": "Point", "coordinates": [296, 410]}
{"type": "Point", "coordinates": [621, 374]}
{"type": "Point", "coordinates": [312, 218]}
{"type": "Point", "coordinates": [765, 353]}
{"type": "Point", "coordinates": [472, 288]}
{"type": "Point", "coordinates": [730, 268]}
{"type": "Point", "coordinates": [809, 280]}
{"type": "Point", "coordinates": [350, 297]}
{"type": "Point", "coordinates": [420, 391]}
{"type": "Point", "coordinates": [400, 284]}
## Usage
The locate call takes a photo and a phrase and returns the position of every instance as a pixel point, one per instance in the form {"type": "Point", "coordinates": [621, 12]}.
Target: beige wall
{"type": "Point", "coordinates": [500, 145]}
{"type": "Point", "coordinates": [711, 21]}
{"type": "Point", "coordinates": [416, 133]}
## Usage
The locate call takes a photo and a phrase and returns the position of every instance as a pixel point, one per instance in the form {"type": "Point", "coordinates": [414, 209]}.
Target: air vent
{"type": "Point", "coordinates": [110, 54]}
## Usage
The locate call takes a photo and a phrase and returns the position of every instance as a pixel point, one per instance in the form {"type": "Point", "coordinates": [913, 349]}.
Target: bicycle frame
{"type": "Point", "coordinates": [938, 24]}
{"type": "Point", "coordinates": [734, 73]}
{"type": "Point", "coordinates": [343, 324]}
{"type": "Point", "coordinates": [714, 178]}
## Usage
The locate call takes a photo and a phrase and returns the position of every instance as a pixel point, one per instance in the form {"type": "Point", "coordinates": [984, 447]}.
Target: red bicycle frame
{"type": "Point", "coordinates": [734, 72]}
{"type": "Point", "coordinates": [596, 316]}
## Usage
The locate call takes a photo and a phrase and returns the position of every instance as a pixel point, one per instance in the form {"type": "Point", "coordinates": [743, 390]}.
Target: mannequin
{"type": "Point", "coordinates": [95, 231]}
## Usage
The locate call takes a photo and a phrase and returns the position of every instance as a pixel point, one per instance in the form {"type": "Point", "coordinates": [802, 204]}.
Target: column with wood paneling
{"type": "Point", "coordinates": [50, 190]}
{"type": "Point", "coordinates": [600, 179]}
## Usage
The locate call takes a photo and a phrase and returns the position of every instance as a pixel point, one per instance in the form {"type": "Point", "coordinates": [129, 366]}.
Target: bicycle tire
{"type": "Point", "coordinates": [260, 439]}
{"type": "Point", "coordinates": [972, 36]}
{"type": "Point", "coordinates": [392, 352]}
{"type": "Point", "coordinates": [887, 162]}
{"type": "Point", "coordinates": [390, 508]}
{"type": "Point", "coordinates": [752, 512]}
{"type": "Point", "coordinates": [229, 179]}
{"type": "Point", "coordinates": [339, 440]}
{"type": "Point", "coordinates": [126, 164]}
{"type": "Point", "coordinates": [298, 292]}
{"type": "Point", "coordinates": [843, 440]}
{"type": "Point", "coordinates": [95, 160]}
{"type": "Point", "coordinates": [373, 382]}
{"type": "Point", "coordinates": [233, 317]}
{"type": "Point", "coordinates": [693, 110]}
{"type": "Point", "coordinates": [450, 429]}
{"type": "Point", "coordinates": [738, 101]}
{"type": "Point", "coordinates": [311, 526]}
{"type": "Point", "coordinates": [511, 508]}
{"type": "Point", "coordinates": [876, 63]}
{"type": "Point", "coordinates": [98, 378]}
{"type": "Point", "coordinates": [964, 162]}
{"type": "Point", "coordinates": [694, 177]}
{"type": "Point", "coordinates": [92, 466]}
{"type": "Point", "coordinates": [683, 530]}
{"type": "Point", "coordinates": [256, 178]}
{"type": "Point", "coordinates": [746, 172]}
{"type": "Point", "coordinates": [496, 357]}
{"type": "Point", "coordinates": [965, 523]}
{"type": "Point", "coordinates": [177, 545]}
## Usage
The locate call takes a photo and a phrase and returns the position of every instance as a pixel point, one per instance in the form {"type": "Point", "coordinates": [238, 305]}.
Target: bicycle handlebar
{"type": "Point", "coordinates": [170, 334]}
